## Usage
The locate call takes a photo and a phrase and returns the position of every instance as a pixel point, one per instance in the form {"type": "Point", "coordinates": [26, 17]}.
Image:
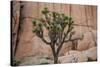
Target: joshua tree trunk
{"type": "Point", "coordinates": [55, 55]}
{"type": "Point", "coordinates": [55, 59]}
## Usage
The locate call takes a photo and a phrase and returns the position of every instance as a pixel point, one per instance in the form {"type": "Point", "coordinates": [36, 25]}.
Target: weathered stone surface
{"type": "Point", "coordinates": [72, 57]}
{"type": "Point", "coordinates": [36, 60]}
{"type": "Point", "coordinates": [65, 48]}
{"type": "Point", "coordinates": [40, 48]}
{"type": "Point", "coordinates": [91, 53]}
{"type": "Point", "coordinates": [74, 52]}
{"type": "Point", "coordinates": [65, 59]}
{"type": "Point", "coordinates": [28, 43]}
{"type": "Point", "coordinates": [15, 15]}
{"type": "Point", "coordinates": [25, 39]}
{"type": "Point", "coordinates": [89, 39]}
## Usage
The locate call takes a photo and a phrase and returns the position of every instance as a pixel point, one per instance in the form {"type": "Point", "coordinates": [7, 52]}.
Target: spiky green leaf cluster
{"type": "Point", "coordinates": [53, 22]}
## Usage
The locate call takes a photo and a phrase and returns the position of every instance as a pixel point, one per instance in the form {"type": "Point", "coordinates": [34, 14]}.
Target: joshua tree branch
{"type": "Point", "coordinates": [61, 44]}
{"type": "Point", "coordinates": [40, 35]}
{"type": "Point", "coordinates": [43, 39]}
{"type": "Point", "coordinates": [79, 38]}
{"type": "Point", "coordinates": [63, 39]}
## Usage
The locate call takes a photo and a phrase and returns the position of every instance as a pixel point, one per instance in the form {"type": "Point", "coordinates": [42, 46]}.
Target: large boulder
{"type": "Point", "coordinates": [25, 43]}
{"type": "Point", "coordinates": [65, 48]}
{"type": "Point", "coordinates": [89, 40]}
{"type": "Point", "coordinates": [65, 59]}
{"type": "Point", "coordinates": [41, 49]}
{"type": "Point", "coordinates": [72, 57]}
{"type": "Point", "coordinates": [91, 53]}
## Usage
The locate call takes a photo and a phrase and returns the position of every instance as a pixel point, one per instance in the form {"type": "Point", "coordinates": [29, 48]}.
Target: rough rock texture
{"type": "Point", "coordinates": [73, 57]}
{"type": "Point", "coordinates": [72, 52]}
{"type": "Point", "coordinates": [15, 15]}
{"type": "Point", "coordinates": [28, 45]}
{"type": "Point", "coordinates": [40, 48]}
{"type": "Point", "coordinates": [65, 48]}
{"type": "Point", "coordinates": [91, 53]}
{"type": "Point", "coordinates": [66, 59]}
{"type": "Point", "coordinates": [36, 60]}
{"type": "Point", "coordinates": [88, 41]}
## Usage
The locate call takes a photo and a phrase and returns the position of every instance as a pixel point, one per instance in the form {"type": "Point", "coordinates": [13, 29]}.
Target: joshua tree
{"type": "Point", "coordinates": [60, 30]}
